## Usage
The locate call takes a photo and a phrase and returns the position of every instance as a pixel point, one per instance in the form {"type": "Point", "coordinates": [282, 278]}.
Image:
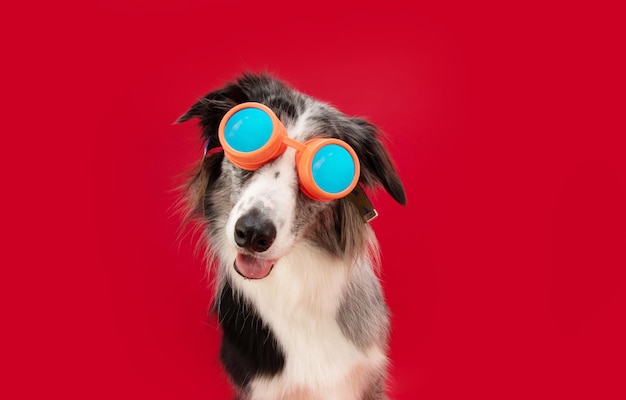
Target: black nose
{"type": "Point", "coordinates": [255, 233]}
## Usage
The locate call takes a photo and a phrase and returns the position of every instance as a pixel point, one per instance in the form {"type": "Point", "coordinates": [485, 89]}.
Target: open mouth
{"type": "Point", "coordinates": [251, 267]}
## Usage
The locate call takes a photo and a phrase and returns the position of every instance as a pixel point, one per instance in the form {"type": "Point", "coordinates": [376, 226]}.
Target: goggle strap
{"type": "Point", "coordinates": [206, 147]}
{"type": "Point", "coordinates": [206, 152]}
{"type": "Point", "coordinates": [359, 198]}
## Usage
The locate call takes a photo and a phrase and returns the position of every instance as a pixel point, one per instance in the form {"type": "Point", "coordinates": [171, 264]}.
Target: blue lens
{"type": "Point", "coordinates": [248, 129]}
{"type": "Point", "coordinates": [333, 168]}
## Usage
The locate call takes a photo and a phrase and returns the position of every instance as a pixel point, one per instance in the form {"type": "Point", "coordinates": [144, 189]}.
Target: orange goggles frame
{"type": "Point", "coordinates": [276, 145]}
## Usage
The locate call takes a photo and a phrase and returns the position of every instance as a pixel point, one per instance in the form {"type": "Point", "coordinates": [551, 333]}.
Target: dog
{"type": "Point", "coordinates": [297, 297]}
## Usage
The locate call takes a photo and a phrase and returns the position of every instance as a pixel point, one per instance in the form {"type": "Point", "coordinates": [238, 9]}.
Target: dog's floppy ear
{"type": "Point", "coordinates": [211, 108]}
{"type": "Point", "coordinates": [376, 164]}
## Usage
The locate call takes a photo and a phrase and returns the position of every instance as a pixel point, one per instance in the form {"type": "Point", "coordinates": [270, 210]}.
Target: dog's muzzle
{"type": "Point", "coordinates": [254, 235]}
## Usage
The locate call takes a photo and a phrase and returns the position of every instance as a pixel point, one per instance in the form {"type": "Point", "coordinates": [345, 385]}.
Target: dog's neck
{"type": "Point", "coordinates": [303, 302]}
{"type": "Point", "coordinates": [305, 279]}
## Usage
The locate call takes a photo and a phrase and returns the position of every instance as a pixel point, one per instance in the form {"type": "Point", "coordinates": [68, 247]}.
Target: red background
{"type": "Point", "coordinates": [505, 272]}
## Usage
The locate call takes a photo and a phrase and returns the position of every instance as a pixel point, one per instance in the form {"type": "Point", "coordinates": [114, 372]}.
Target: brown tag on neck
{"type": "Point", "coordinates": [363, 203]}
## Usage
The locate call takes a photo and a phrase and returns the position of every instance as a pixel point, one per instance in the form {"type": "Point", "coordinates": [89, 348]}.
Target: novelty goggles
{"type": "Point", "coordinates": [252, 135]}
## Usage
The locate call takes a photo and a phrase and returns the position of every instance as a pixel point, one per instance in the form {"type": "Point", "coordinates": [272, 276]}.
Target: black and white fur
{"type": "Point", "coordinates": [317, 326]}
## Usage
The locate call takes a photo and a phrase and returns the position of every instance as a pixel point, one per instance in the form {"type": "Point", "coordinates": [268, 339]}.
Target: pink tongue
{"type": "Point", "coordinates": [252, 267]}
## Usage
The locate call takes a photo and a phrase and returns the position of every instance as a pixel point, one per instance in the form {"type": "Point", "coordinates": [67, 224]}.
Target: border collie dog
{"type": "Point", "coordinates": [313, 324]}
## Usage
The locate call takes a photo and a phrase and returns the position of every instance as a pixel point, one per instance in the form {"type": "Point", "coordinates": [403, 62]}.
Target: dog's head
{"type": "Point", "coordinates": [255, 218]}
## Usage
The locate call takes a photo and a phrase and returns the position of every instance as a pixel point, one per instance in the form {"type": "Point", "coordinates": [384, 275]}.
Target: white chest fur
{"type": "Point", "coordinates": [299, 302]}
